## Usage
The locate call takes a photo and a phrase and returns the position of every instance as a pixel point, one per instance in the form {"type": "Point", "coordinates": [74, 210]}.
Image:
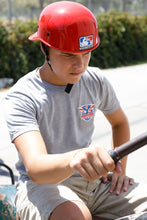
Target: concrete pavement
{"type": "Point", "coordinates": [130, 84]}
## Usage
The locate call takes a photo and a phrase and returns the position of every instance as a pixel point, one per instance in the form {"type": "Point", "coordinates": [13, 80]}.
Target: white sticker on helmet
{"type": "Point", "coordinates": [85, 42]}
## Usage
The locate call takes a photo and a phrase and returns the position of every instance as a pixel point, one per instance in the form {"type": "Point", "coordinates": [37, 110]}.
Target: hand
{"type": "Point", "coordinates": [92, 163]}
{"type": "Point", "coordinates": [118, 182]}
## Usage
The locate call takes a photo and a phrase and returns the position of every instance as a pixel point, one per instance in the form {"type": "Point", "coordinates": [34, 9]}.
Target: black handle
{"type": "Point", "coordinates": [10, 171]}
{"type": "Point", "coordinates": [128, 147]}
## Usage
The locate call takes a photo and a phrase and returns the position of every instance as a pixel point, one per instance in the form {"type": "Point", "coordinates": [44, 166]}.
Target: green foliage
{"type": "Point", "coordinates": [123, 42]}
{"type": "Point", "coordinates": [18, 55]}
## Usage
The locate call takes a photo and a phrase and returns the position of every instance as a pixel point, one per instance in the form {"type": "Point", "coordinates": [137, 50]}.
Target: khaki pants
{"type": "Point", "coordinates": [36, 202]}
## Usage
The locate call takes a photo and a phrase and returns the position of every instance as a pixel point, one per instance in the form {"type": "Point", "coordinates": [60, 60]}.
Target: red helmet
{"type": "Point", "coordinates": [67, 26]}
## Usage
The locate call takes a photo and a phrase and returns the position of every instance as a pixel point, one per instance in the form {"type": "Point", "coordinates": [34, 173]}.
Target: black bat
{"type": "Point", "coordinates": [128, 147]}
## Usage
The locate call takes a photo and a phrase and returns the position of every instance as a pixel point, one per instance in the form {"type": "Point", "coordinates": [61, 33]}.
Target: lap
{"type": "Point", "coordinates": [41, 200]}
{"type": "Point", "coordinates": [101, 203]}
{"type": "Point", "coordinates": [111, 206]}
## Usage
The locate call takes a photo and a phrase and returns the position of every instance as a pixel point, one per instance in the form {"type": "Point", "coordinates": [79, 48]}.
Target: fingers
{"type": "Point", "coordinates": [123, 182]}
{"type": "Point", "coordinates": [119, 183]}
{"type": "Point", "coordinates": [92, 163]}
{"type": "Point", "coordinates": [113, 178]}
{"type": "Point", "coordinates": [106, 160]}
{"type": "Point", "coordinates": [118, 168]}
{"type": "Point", "coordinates": [83, 165]}
{"type": "Point", "coordinates": [127, 181]}
{"type": "Point", "coordinates": [131, 181]}
{"type": "Point", "coordinates": [104, 179]}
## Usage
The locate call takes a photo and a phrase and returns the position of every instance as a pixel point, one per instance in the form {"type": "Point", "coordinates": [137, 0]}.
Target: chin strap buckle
{"type": "Point", "coordinates": [68, 88]}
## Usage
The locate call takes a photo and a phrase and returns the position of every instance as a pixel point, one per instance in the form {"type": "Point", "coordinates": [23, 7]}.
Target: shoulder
{"type": "Point", "coordinates": [94, 72]}
{"type": "Point", "coordinates": [26, 86]}
{"type": "Point", "coordinates": [24, 95]}
{"type": "Point", "coordinates": [94, 77]}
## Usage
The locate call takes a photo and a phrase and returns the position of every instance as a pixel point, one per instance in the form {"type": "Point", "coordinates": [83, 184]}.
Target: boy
{"type": "Point", "coordinates": [50, 114]}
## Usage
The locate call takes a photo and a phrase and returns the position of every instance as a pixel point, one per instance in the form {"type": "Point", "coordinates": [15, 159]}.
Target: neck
{"type": "Point", "coordinates": [48, 75]}
{"type": "Point", "coordinates": [44, 72]}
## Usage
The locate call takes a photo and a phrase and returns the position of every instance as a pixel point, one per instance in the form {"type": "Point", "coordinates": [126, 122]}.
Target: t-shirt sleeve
{"type": "Point", "coordinates": [109, 101]}
{"type": "Point", "coordinates": [20, 114]}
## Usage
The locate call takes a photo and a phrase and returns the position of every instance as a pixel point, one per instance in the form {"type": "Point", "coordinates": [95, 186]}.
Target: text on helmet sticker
{"type": "Point", "coordinates": [85, 42]}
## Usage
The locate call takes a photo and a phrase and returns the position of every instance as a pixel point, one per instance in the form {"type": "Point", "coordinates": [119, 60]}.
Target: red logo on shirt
{"type": "Point", "coordinates": [87, 112]}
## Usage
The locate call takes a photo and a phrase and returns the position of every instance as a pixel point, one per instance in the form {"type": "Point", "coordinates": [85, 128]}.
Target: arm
{"type": "Point", "coordinates": [120, 135]}
{"type": "Point", "coordinates": [120, 131]}
{"type": "Point", "coordinates": [42, 168]}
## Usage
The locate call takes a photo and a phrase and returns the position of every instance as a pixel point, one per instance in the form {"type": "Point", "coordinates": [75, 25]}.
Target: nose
{"type": "Point", "coordinates": [79, 62]}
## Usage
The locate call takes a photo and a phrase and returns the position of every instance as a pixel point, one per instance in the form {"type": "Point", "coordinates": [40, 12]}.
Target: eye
{"type": "Point", "coordinates": [68, 55]}
{"type": "Point", "coordinates": [87, 53]}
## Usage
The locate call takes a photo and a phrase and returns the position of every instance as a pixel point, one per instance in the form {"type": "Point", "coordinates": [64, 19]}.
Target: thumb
{"type": "Point", "coordinates": [104, 179]}
{"type": "Point", "coordinates": [118, 168]}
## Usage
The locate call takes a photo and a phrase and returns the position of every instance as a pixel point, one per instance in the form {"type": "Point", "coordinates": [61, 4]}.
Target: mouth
{"type": "Point", "coordinates": [76, 74]}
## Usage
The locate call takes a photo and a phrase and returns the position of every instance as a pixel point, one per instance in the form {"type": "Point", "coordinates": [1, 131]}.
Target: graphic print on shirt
{"type": "Point", "coordinates": [87, 112]}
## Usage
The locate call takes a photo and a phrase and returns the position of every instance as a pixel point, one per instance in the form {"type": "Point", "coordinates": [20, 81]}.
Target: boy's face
{"type": "Point", "coordinates": [67, 67]}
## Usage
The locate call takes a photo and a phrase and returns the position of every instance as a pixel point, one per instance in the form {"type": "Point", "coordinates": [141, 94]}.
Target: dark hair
{"type": "Point", "coordinates": [46, 49]}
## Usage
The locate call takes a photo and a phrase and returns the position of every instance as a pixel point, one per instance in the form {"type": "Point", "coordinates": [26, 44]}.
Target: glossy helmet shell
{"type": "Point", "coordinates": [67, 26]}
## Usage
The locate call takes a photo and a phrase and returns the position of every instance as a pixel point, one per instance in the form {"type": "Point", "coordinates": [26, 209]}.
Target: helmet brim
{"type": "Point", "coordinates": [34, 36]}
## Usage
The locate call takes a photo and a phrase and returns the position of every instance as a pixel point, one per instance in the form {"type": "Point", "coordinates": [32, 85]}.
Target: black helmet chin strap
{"type": "Point", "coordinates": [46, 51]}
{"type": "Point", "coordinates": [49, 63]}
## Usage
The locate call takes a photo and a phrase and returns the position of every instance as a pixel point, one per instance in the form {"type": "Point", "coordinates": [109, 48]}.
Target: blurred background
{"type": "Point", "coordinates": [122, 31]}
{"type": "Point", "coordinates": [10, 9]}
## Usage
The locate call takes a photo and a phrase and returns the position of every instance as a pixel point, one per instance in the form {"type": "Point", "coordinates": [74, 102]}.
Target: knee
{"type": "Point", "coordinates": [71, 210]}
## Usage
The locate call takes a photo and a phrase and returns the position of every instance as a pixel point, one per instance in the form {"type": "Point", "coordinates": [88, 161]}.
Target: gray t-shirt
{"type": "Point", "coordinates": [66, 121]}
